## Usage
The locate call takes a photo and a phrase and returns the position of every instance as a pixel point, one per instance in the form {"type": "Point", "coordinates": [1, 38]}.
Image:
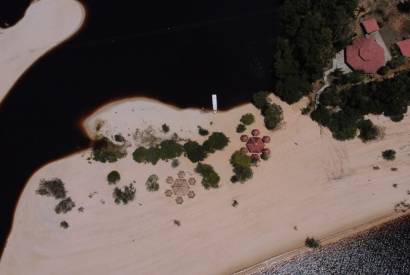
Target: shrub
{"type": "Point", "coordinates": [248, 119]}
{"type": "Point", "coordinates": [124, 196]}
{"type": "Point", "coordinates": [210, 178]}
{"type": "Point", "coordinates": [113, 177]}
{"type": "Point", "coordinates": [175, 163]}
{"type": "Point", "coordinates": [273, 116]}
{"type": "Point", "coordinates": [147, 155]}
{"type": "Point", "coordinates": [202, 131]}
{"type": "Point", "coordinates": [383, 70]}
{"type": "Point", "coordinates": [104, 150]}
{"type": "Point", "coordinates": [119, 138]}
{"type": "Point", "coordinates": [194, 151]}
{"type": "Point", "coordinates": [241, 163]}
{"type": "Point", "coordinates": [169, 149]}
{"type": "Point", "coordinates": [396, 62]}
{"type": "Point", "coordinates": [368, 131]}
{"type": "Point", "coordinates": [260, 99]}
{"type": "Point", "coordinates": [389, 154]}
{"type": "Point", "coordinates": [52, 188]}
{"type": "Point", "coordinates": [152, 183]}
{"type": "Point", "coordinates": [240, 128]}
{"type": "Point", "coordinates": [353, 77]}
{"type": "Point", "coordinates": [64, 224]}
{"type": "Point", "coordinates": [312, 243]}
{"type": "Point", "coordinates": [64, 206]}
{"type": "Point", "coordinates": [216, 141]}
{"type": "Point", "coordinates": [165, 128]}
{"type": "Point", "coordinates": [404, 7]}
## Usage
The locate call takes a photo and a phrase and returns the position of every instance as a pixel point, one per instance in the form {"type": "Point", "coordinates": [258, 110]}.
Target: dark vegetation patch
{"type": "Point", "coordinates": [241, 163]}
{"type": "Point", "coordinates": [64, 224]}
{"type": "Point", "coordinates": [52, 188]}
{"type": "Point", "coordinates": [113, 177]}
{"type": "Point", "coordinates": [342, 110]}
{"type": "Point", "coordinates": [202, 131]}
{"type": "Point", "coordinates": [64, 206]}
{"type": "Point", "coordinates": [104, 150]}
{"type": "Point", "coordinates": [240, 128]}
{"type": "Point", "coordinates": [389, 154]}
{"type": "Point", "coordinates": [210, 179]}
{"type": "Point", "coordinates": [152, 183]}
{"type": "Point", "coordinates": [248, 119]}
{"type": "Point", "coordinates": [272, 113]}
{"type": "Point", "coordinates": [312, 243]}
{"type": "Point", "coordinates": [126, 195]}
{"type": "Point", "coordinates": [165, 128]}
{"type": "Point", "coordinates": [311, 32]}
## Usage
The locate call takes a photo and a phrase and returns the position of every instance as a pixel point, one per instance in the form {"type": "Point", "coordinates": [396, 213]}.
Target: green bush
{"type": "Point", "coordinates": [152, 183]}
{"type": "Point", "coordinates": [124, 196]}
{"type": "Point", "coordinates": [383, 70]}
{"type": "Point", "coordinates": [216, 141]}
{"type": "Point", "coordinates": [169, 149]}
{"type": "Point", "coordinates": [64, 224]}
{"type": "Point", "coordinates": [352, 77]}
{"type": "Point", "coordinates": [396, 62]}
{"type": "Point", "coordinates": [165, 128]}
{"type": "Point", "coordinates": [52, 188]}
{"type": "Point", "coordinates": [175, 163]}
{"type": "Point", "coordinates": [260, 99]}
{"type": "Point", "coordinates": [389, 154]}
{"type": "Point", "coordinates": [113, 177]}
{"type": "Point", "coordinates": [64, 206]}
{"type": "Point", "coordinates": [147, 155]}
{"type": "Point", "coordinates": [241, 163]}
{"type": "Point", "coordinates": [104, 150]}
{"type": "Point", "coordinates": [368, 131]}
{"type": "Point", "coordinates": [312, 243]}
{"type": "Point", "coordinates": [273, 116]}
{"type": "Point", "coordinates": [404, 7]}
{"type": "Point", "coordinates": [194, 151]}
{"type": "Point", "coordinates": [248, 119]}
{"type": "Point", "coordinates": [202, 131]}
{"type": "Point", "coordinates": [210, 179]}
{"type": "Point", "coordinates": [119, 138]}
{"type": "Point", "coordinates": [240, 128]}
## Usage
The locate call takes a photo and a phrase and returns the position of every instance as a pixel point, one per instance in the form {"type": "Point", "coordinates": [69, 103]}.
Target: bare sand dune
{"type": "Point", "coordinates": [312, 182]}
{"type": "Point", "coordinates": [46, 24]}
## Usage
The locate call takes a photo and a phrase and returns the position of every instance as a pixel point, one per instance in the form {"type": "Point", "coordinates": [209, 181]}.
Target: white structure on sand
{"type": "Point", "coordinates": [214, 103]}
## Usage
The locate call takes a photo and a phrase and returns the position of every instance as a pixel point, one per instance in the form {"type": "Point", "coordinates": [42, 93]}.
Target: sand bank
{"type": "Point", "coordinates": [312, 182]}
{"type": "Point", "coordinates": [46, 24]}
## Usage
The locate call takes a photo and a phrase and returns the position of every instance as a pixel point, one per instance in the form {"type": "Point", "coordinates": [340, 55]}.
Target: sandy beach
{"type": "Point", "coordinates": [45, 24]}
{"type": "Point", "coordinates": [312, 182]}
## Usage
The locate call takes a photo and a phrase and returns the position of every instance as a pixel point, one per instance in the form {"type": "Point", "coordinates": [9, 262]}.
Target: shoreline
{"type": "Point", "coordinates": [265, 265]}
{"type": "Point", "coordinates": [291, 199]}
{"type": "Point", "coordinates": [39, 36]}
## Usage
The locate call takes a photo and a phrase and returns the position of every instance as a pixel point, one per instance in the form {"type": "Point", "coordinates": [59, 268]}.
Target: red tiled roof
{"type": "Point", "coordinates": [370, 25]}
{"type": "Point", "coordinates": [366, 55]}
{"type": "Point", "coordinates": [404, 47]}
{"type": "Point", "coordinates": [255, 145]}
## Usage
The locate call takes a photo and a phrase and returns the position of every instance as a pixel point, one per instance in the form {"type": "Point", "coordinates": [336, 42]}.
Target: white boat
{"type": "Point", "coordinates": [214, 103]}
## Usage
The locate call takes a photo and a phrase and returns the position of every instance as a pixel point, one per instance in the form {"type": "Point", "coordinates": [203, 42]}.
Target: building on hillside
{"type": "Point", "coordinates": [370, 25]}
{"type": "Point", "coordinates": [366, 55]}
{"type": "Point", "coordinates": [404, 47]}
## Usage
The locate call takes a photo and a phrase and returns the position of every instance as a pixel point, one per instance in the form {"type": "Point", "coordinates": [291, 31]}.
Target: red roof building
{"type": "Point", "coordinates": [370, 25]}
{"type": "Point", "coordinates": [366, 55]}
{"type": "Point", "coordinates": [404, 47]}
{"type": "Point", "coordinates": [255, 145]}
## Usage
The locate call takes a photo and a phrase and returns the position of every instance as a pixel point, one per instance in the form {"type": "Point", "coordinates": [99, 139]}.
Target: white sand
{"type": "Point", "coordinates": [320, 185]}
{"type": "Point", "coordinates": [46, 24]}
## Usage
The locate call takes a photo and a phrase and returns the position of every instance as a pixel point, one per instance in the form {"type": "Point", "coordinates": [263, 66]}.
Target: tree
{"type": "Point", "coordinates": [104, 150]}
{"type": "Point", "coordinates": [248, 119]}
{"type": "Point", "coordinates": [260, 99]}
{"type": "Point", "coordinates": [175, 163]}
{"type": "Point", "coordinates": [113, 177]}
{"type": "Point", "coordinates": [64, 206]}
{"type": "Point", "coordinates": [312, 243]}
{"type": "Point", "coordinates": [202, 131]}
{"type": "Point", "coordinates": [241, 163]}
{"type": "Point", "coordinates": [240, 128]}
{"type": "Point", "coordinates": [273, 116]}
{"type": "Point", "coordinates": [210, 178]}
{"type": "Point", "coordinates": [194, 151]}
{"type": "Point", "coordinates": [389, 154]}
{"type": "Point", "coordinates": [64, 224]}
{"type": "Point", "coordinates": [152, 183]}
{"type": "Point", "coordinates": [52, 188]}
{"type": "Point", "coordinates": [169, 149]}
{"type": "Point", "coordinates": [124, 196]}
{"type": "Point", "coordinates": [165, 128]}
{"type": "Point", "coordinates": [216, 141]}
{"type": "Point", "coordinates": [368, 131]}
{"type": "Point", "coordinates": [147, 155]}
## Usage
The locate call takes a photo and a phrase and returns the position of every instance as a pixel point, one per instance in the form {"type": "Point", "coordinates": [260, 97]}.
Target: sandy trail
{"type": "Point", "coordinates": [313, 182]}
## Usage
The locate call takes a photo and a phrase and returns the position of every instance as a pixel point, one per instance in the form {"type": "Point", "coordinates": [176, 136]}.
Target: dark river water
{"type": "Point", "coordinates": [175, 51]}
